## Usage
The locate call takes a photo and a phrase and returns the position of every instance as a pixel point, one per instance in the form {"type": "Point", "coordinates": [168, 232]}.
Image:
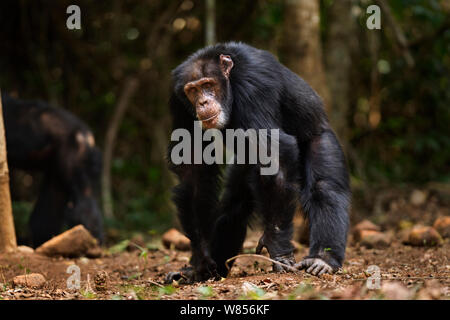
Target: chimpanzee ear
{"type": "Point", "coordinates": [226, 64]}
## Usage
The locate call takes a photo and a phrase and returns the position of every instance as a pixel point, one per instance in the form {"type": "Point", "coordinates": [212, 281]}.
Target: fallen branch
{"type": "Point", "coordinates": [258, 256]}
{"type": "Point", "coordinates": [155, 283]}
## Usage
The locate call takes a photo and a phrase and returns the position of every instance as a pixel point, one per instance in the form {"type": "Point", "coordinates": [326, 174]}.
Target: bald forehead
{"type": "Point", "coordinates": [202, 69]}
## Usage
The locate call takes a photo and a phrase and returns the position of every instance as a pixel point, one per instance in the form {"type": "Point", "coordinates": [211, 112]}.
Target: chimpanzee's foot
{"type": "Point", "coordinates": [278, 253]}
{"type": "Point", "coordinates": [186, 275]}
{"type": "Point", "coordinates": [315, 266]}
{"type": "Point", "coordinates": [189, 274]}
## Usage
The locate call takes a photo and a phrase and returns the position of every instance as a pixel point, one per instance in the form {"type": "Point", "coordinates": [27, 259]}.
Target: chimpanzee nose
{"type": "Point", "coordinates": [203, 102]}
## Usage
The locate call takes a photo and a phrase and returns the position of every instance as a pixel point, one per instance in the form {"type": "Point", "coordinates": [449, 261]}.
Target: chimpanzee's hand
{"type": "Point", "coordinates": [315, 266]}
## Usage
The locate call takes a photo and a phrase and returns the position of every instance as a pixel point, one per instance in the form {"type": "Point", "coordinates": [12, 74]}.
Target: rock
{"type": "Point", "coordinates": [442, 225]}
{"type": "Point", "coordinates": [175, 238]}
{"type": "Point", "coordinates": [135, 242]}
{"type": "Point", "coordinates": [424, 236]}
{"type": "Point", "coordinates": [367, 225]}
{"type": "Point", "coordinates": [431, 290]}
{"type": "Point", "coordinates": [403, 235]}
{"type": "Point", "coordinates": [374, 239]}
{"type": "Point", "coordinates": [75, 242]}
{"type": "Point", "coordinates": [32, 280]}
{"type": "Point", "coordinates": [94, 252]}
{"type": "Point", "coordinates": [395, 291]}
{"type": "Point", "coordinates": [364, 225]}
{"type": "Point", "coordinates": [418, 197]}
{"type": "Point", "coordinates": [25, 249]}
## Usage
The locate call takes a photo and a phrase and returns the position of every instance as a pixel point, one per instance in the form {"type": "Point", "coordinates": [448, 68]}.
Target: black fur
{"type": "Point", "coordinates": [47, 139]}
{"type": "Point", "coordinates": [262, 93]}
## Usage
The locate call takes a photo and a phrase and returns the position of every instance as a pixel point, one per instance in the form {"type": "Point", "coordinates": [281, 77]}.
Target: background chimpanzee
{"type": "Point", "coordinates": [234, 85]}
{"type": "Point", "coordinates": [53, 141]}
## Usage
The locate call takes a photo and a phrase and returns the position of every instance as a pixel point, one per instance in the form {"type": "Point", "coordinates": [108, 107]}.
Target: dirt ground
{"type": "Point", "coordinates": [136, 270]}
{"type": "Point", "coordinates": [406, 273]}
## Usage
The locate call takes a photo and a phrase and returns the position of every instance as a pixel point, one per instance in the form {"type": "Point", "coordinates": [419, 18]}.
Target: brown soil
{"type": "Point", "coordinates": [424, 273]}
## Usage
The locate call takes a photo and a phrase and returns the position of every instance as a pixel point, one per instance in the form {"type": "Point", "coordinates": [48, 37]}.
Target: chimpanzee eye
{"type": "Point", "coordinates": [207, 86]}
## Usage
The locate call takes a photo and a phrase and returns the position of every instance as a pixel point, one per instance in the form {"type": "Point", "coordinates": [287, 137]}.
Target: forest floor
{"type": "Point", "coordinates": [406, 272]}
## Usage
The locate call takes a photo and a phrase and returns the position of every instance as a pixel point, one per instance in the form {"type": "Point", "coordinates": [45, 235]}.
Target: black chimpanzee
{"type": "Point", "coordinates": [53, 141]}
{"type": "Point", "coordinates": [236, 86]}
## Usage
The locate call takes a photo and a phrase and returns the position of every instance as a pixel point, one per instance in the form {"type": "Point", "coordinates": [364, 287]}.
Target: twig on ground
{"type": "Point", "coordinates": [258, 256]}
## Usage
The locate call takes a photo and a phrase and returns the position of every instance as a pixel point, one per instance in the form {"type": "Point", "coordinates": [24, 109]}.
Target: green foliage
{"type": "Point", "coordinates": [120, 247]}
{"type": "Point", "coordinates": [21, 213]}
{"type": "Point", "coordinates": [167, 290]}
{"type": "Point", "coordinates": [205, 292]}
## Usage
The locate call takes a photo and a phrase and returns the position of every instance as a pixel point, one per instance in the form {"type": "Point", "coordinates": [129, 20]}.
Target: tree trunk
{"type": "Point", "coordinates": [341, 35]}
{"type": "Point", "coordinates": [301, 47]}
{"type": "Point", "coordinates": [110, 142]}
{"type": "Point", "coordinates": [210, 26]}
{"type": "Point", "coordinates": [7, 233]}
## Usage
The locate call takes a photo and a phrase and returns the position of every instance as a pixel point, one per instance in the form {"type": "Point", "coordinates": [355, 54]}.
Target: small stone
{"type": "Point", "coordinates": [135, 242]}
{"type": "Point", "coordinates": [94, 252]}
{"type": "Point", "coordinates": [367, 225]}
{"type": "Point", "coordinates": [75, 242]}
{"type": "Point", "coordinates": [403, 235]}
{"type": "Point", "coordinates": [374, 239]}
{"type": "Point", "coordinates": [424, 237]}
{"type": "Point", "coordinates": [32, 280]}
{"type": "Point", "coordinates": [395, 291]}
{"type": "Point", "coordinates": [364, 225]}
{"type": "Point", "coordinates": [25, 249]}
{"type": "Point", "coordinates": [442, 225]}
{"type": "Point", "coordinates": [175, 238]}
{"type": "Point", "coordinates": [418, 197]}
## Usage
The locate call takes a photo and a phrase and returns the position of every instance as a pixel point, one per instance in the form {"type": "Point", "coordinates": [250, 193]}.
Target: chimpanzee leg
{"type": "Point", "coordinates": [236, 207]}
{"type": "Point", "coordinates": [325, 199]}
{"type": "Point", "coordinates": [48, 215]}
{"type": "Point", "coordinates": [278, 199]}
{"type": "Point", "coordinates": [196, 198]}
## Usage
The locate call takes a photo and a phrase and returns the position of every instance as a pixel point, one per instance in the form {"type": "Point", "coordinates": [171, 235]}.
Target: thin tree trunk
{"type": "Point", "coordinates": [7, 233]}
{"type": "Point", "coordinates": [210, 26]}
{"type": "Point", "coordinates": [301, 48]}
{"type": "Point", "coordinates": [341, 35]}
{"type": "Point", "coordinates": [110, 142]}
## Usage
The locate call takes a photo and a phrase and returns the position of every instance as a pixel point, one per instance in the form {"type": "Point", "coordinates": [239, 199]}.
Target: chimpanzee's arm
{"type": "Point", "coordinates": [196, 197]}
{"type": "Point", "coordinates": [325, 189]}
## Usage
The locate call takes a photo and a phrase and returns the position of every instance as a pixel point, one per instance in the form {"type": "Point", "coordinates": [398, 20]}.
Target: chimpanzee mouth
{"type": "Point", "coordinates": [210, 118]}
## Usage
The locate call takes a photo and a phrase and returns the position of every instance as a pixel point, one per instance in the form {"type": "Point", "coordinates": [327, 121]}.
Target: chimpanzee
{"type": "Point", "coordinates": [235, 86]}
{"type": "Point", "coordinates": [53, 141]}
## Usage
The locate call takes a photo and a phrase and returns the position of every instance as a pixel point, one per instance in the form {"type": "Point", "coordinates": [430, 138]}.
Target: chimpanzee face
{"type": "Point", "coordinates": [208, 90]}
